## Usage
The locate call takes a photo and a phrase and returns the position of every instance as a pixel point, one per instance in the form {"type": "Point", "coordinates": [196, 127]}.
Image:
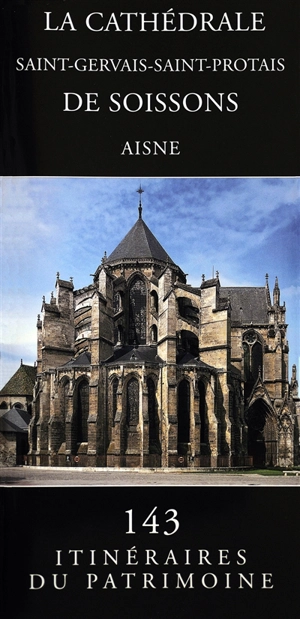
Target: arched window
{"type": "Point", "coordinates": [120, 334]}
{"type": "Point", "coordinates": [137, 312]}
{"type": "Point", "coordinates": [132, 416]}
{"type": "Point", "coordinates": [154, 301]}
{"type": "Point", "coordinates": [117, 302]}
{"type": "Point", "coordinates": [253, 359]}
{"type": "Point", "coordinates": [114, 396]}
{"type": "Point", "coordinates": [34, 421]}
{"type": "Point", "coordinates": [18, 405]}
{"type": "Point", "coordinates": [3, 405]}
{"type": "Point", "coordinates": [183, 416]}
{"type": "Point", "coordinates": [154, 444]}
{"type": "Point", "coordinates": [188, 342]}
{"type": "Point", "coordinates": [64, 408]}
{"type": "Point", "coordinates": [82, 411]}
{"type": "Point", "coordinates": [203, 414]}
{"type": "Point", "coordinates": [65, 391]}
{"type": "Point", "coordinates": [154, 333]}
{"type": "Point", "coordinates": [257, 360]}
{"type": "Point", "coordinates": [187, 310]}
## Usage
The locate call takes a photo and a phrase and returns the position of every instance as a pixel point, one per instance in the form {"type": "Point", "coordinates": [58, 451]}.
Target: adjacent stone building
{"type": "Point", "coordinates": [14, 437]}
{"type": "Point", "coordinates": [15, 414]}
{"type": "Point", "coordinates": [140, 369]}
{"type": "Point", "coordinates": [17, 392]}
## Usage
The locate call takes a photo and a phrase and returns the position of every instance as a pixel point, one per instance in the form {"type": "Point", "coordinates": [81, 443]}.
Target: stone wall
{"type": "Point", "coordinates": [8, 449]}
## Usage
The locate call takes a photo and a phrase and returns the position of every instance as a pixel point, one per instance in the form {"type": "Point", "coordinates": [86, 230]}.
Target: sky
{"type": "Point", "coordinates": [242, 227]}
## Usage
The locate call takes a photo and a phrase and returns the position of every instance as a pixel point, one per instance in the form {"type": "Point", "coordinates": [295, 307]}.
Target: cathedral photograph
{"type": "Point", "coordinates": [136, 363]}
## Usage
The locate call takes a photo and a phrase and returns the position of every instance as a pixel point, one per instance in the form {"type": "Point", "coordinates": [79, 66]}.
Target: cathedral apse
{"type": "Point", "coordinates": [141, 369]}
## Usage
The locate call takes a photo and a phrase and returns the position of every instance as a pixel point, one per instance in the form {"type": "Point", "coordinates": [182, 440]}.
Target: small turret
{"type": "Point", "coordinates": [276, 293]}
{"type": "Point", "coordinates": [268, 291]}
{"type": "Point", "coordinates": [294, 382]}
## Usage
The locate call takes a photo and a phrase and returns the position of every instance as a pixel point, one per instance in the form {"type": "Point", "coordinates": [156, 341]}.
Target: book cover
{"type": "Point", "coordinates": [196, 107]}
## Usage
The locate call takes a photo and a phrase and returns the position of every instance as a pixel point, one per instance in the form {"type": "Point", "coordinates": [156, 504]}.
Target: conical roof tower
{"type": "Point", "coordinates": [139, 243]}
{"type": "Point", "coordinates": [141, 247]}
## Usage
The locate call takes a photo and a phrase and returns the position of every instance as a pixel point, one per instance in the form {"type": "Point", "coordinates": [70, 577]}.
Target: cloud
{"type": "Point", "coordinates": [241, 227]}
{"type": "Point", "coordinates": [292, 292]}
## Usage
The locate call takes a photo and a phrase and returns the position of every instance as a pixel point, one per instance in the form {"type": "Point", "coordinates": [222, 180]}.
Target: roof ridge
{"type": "Point", "coordinates": [21, 382]}
{"type": "Point", "coordinates": [139, 242]}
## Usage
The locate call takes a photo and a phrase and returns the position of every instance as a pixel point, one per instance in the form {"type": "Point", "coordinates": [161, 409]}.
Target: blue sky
{"type": "Point", "coordinates": [244, 228]}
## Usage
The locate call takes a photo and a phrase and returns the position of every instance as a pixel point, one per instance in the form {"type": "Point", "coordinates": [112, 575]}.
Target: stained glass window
{"type": "Point", "coordinates": [184, 412]}
{"type": "Point", "coordinates": [133, 402]}
{"type": "Point", "coordinates": [154, 445]}
{"type": "Point", "coordinates": [82, 412]}
{"type": "Point", "coordinates": [137, 312]}
{"type": "Point", "coordinates": [253, 357]}
{"type": "Point", "coordinates": [114, 396]}
{"type": "Point", "coordinates": [203, 413]}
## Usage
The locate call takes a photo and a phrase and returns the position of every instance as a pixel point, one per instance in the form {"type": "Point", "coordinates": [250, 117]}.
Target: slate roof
{"type": "Point", "coordinates": [248, 304]}
{"type": "Point", "coordinates": [139, 242]}
{"type": "Point", "coordinates": [21, 383]}
{"type": "Point", "coordinates": [189, 288]}
{"type": "Point", "coordinates": [209, 283]}
{"type": "Point", "coordinates": [130, 354]}
{"type": "Point", "coordinates": [189, 359]}
{"type": "Point", "coordinates": [83, 360]}
{"type": "Point", "coordinates": [15, 420]}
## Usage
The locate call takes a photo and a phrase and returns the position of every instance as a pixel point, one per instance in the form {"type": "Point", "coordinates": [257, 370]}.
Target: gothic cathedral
{"type": "Point", "coordinates": [140, 369]}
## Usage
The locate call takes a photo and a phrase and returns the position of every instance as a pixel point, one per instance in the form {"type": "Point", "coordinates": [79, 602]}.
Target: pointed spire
{"type": "Point", "coordinates": [138, 243]}
{"type": "Point", "coordinates": [268, 290]}
{"type": "Point", "coordinates": [276, 293]}
{"type": "Point", "coordinates": [140, 191]}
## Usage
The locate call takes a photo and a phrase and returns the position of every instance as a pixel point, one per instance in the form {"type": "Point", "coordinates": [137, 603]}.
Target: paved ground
{"type": "Point", "coordinates": [43, 476]}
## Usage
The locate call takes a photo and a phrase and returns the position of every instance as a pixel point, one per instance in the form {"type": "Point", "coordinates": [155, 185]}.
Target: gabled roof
{"type": "Point", "coordinates": [83, 360]}
{"type": "Point", "coordinates": [130, 354]}
{"type": "Point", "coordinates": [139, 243]}
{"type": "Point", "coordinates": [21, 383]}
{"type": "Point", "coordinates": [248, 304]}
{"type": "Point", "coordinates": [209, 283]}
{"type": "Point", "coordinates": [189, 359]}
{"type": "Point", "coordinates": [15, 420]}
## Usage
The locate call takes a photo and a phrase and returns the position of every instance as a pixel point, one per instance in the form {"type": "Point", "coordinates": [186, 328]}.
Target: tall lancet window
{"type": "Point", "coordinates": [183, 415]}
{"type": "Point", "coordinates": [82, 411]}
{"type": "Point", "coordinates": [64, 407]}
{"type": "Point", "coordinates": [253, 360]}
{"type": "Point", "coordinates": [132, 402]}
{"type": "Point", "coordinates": [154, 445]}
{"type": "Point", "coordinates": [115, 385]}
{"type": "Point", "coordinates": [137, 312]}
{"type": "Point", "coordinates": [253, 357]}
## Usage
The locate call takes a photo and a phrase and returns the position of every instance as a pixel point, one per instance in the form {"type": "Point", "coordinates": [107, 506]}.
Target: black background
{"type": "Point", "coordinates": [260, 138]}
{"type": "Point", "coordinates": [39, 521]}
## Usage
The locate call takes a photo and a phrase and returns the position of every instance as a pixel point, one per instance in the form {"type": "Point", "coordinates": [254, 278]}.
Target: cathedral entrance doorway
{"type": "Point", "coordinates": [262, 435]}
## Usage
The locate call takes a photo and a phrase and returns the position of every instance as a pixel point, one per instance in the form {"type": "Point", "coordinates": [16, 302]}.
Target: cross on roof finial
{"type": "Point", "coordinates": [140, 191]}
